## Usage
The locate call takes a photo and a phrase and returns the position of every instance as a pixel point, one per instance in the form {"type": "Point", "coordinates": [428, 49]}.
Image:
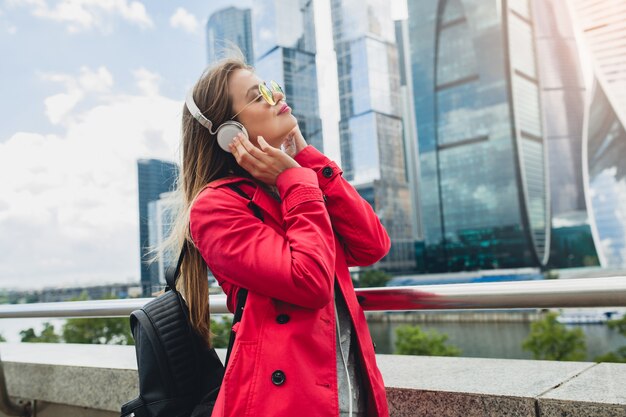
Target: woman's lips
{"type": "Point", "coordinates": [284, 109]}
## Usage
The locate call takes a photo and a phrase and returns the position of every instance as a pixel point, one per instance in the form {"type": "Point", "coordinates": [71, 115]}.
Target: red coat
{"type": "Point", "coordinates": [283, 362]}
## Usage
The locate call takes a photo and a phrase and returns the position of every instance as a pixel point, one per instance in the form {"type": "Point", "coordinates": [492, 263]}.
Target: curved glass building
{"type": "Point", "coordinates": [563, 92]}
{"type": "Point", "coordinates": [484, 193]}
{"type": "Point", "coordinates": [605, 172]}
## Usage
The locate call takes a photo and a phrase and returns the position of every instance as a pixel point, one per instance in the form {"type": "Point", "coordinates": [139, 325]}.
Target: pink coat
{"type": "Point", "coordinates": [283, 362]}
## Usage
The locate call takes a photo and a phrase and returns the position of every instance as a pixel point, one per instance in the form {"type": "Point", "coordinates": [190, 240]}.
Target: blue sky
{"type": "Point", "coordinates": [88, 87]}
{"type": "Point", "coordinates": [33, 45]}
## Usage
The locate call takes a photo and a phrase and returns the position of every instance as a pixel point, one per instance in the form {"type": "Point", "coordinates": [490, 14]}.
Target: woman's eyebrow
{"type": "Point", "coordinates": [254, 87]}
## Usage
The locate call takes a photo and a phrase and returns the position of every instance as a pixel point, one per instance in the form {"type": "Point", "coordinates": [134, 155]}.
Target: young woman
{"type": "Point", "coordinates": [303, 347]}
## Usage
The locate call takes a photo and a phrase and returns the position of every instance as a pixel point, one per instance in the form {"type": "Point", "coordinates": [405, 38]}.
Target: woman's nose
{"type": "Point", "coordinates": [278, 96]}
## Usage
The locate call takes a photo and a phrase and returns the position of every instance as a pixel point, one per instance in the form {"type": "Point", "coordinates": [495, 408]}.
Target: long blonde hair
{"type": "Point", "coordinates": [202, 161]}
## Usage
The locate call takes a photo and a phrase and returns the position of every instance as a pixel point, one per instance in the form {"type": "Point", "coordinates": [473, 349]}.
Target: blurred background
{"type": "Point", "coordinates": [489, 137]}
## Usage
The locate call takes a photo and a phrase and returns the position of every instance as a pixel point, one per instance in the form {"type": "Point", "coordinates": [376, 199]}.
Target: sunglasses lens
{"type": "Point", "coordinates": [277, 88]}
{"type": "Point", "coordinates": [267, 94]}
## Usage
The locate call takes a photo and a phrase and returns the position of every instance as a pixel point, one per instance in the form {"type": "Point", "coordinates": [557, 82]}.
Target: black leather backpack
{"type": "Point", "coordinates": [179, 375]}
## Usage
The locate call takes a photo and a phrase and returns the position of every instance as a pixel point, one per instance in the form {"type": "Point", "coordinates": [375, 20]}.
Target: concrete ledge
{"type": "Point", "coordinates": [100, 378]}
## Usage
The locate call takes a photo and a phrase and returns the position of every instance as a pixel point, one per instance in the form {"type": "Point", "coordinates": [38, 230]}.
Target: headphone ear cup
{"type": "Point", "coordinates": [227, 132]}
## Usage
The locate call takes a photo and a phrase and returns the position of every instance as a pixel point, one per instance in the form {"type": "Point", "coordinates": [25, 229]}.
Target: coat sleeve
{"type": "Point", "coordinates": [365, 241]}
{"type": "Point", "coordinates": [298, 267]}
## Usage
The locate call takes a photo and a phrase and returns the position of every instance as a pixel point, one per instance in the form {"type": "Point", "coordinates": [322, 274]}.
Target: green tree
{"type": "Point", "coordinates": [373, 278]}
{"type": "Point", "coordinates": [47, 335]}
{"type": "Point", "coordinates": [551, 340]}
{"type": "Point", "coordinates": [551, 274]}
{"type": "Point", "coordinates": [2, 339]}
{"type": "Point", "coordinates": [221, 332]}
{"type": "Point", "coordinates": [98, 331]}
{"type": "Point", "coordinates": [619, 355]}
{"type": "Point", "coordinates": [411, 340]}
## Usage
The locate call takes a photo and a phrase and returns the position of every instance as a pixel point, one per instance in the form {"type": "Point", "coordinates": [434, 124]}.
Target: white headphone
{"type": "Point", "coordinates": [226, 132]}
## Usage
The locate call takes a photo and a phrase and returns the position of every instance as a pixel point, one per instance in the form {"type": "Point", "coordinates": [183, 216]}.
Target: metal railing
{"type": "Point", "coordinates": [584, 292]}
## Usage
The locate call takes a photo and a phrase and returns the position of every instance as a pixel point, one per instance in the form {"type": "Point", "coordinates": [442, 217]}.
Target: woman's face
{"type": "Point", "coordinates": [259, 118]}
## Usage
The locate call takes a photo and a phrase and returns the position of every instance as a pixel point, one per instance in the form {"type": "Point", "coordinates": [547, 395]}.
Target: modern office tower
{"type": "Point", "coordinates": [603, 26]}
{"type": "Point", "coordinates": [370, 128]}
{"type": "Point", "coordinates": [154, 177]}
{"type": "Point", "coordinates": [563, 96]}
{"type": "Point", "coordinates": [605, 172]}
{"type": "Point", "coordinates": [481, 144]}
{"type": "Point", "coordinates": [227, 27]}
{"type": "Point", "coordinates": [284, 38]}
{"type": "Point", "coordinates": [161, 217]}
{"type": "Point", "coordinates": [411, 155]}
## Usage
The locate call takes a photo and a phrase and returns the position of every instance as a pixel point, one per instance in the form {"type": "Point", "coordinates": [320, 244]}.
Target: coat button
{"type": "Point", "coordinates": [327, 172]}
{"type": "Point", "coordinates": [278, 378]}
{"type": "Point", "coordinates": [282, 318]}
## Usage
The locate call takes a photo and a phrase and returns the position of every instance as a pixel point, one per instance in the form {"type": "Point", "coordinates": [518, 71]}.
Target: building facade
{"type": "Point", "coordinates": [370, 128]}
{"type": "Point", "coordinates": [602, 25]}
{"type": "Point", "coordinates": [563, 94]}
{"type": "Point", "coordinates": [284, 37]}
{"type": "Point", "coordinates": [161, 217]}
{"type": "Point", "coordinates": [605, 173]}
{"type": "Point", "coordinates": [154, 178]}
{"type": "Point", "coordinates": [228, 27]}
{"type": "Point", "coordinates": [484, 191]}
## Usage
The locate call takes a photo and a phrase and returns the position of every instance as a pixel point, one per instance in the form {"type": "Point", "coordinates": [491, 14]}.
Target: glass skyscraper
{"type": "Point", "coordinates": [602, 25]}
{"type": "Point", "coordinates": [481, 142]}
{"type": "Point", "coordinates": [370, 128]}
{"type": "Point", "coordinates": [161, 217]}
{"type": "Point", "coordinates": [605, 171]}
{"type": "Point", "coordinates": [154, 178]}
{"type": "Point", "coordinates": [284, 38]}
{"type": "Point", "coordinates": [563, 94]}
{"type": "Point", "coordinates": [226, 27]}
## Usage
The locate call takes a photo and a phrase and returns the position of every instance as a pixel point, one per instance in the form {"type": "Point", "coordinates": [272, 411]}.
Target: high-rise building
{"type": "Point", "coordinates": [481, 143]}
{"type": "Point", "coordinates": [411, 155]}
{"type": "Point", "coordinates": [605, 171]}
{"type": "Point", "coordinates": [284, 37]}
{"type": "Point", "coordinates": [563, 95]}
{"type": "Point", "coordinates": [154, 178]}
{"type": "Point", "coordinates": [602, 24]}
{"type": "Point", "coordinates": [370, 128]}
{"type": "Point", "coordinates": [161, 217]}
{"type": "Point", "coordinates": [228, 27]}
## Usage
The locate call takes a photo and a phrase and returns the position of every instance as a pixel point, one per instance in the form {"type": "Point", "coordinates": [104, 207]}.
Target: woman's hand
{"type": "Point", "coordinates": [294, 142]}
{"type": "Point", "coordinates": [264, 164]}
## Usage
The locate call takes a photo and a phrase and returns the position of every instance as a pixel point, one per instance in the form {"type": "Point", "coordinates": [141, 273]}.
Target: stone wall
{"type": "Point", "coordinates": [94, 380]}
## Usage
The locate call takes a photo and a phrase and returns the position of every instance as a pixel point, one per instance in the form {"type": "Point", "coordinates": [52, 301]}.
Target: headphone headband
{"type": "Point", "coordinates": [196, 113]}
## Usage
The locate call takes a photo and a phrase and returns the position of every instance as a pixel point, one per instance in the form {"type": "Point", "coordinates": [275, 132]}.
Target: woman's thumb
{"type": "Point", "coordinates": [262, 143]}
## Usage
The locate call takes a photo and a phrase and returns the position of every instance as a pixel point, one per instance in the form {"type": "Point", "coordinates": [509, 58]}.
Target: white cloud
{"type": "Point", "coordinates": [59, 106]}
{"type": "Point", "coordinates": [148, 82]}
{"type": "Point", "coordinates": [182, 19]}
{"type": "Point", "coordinates": [68, 202]}
{"type": "Point", "coordinates": [80, 15]}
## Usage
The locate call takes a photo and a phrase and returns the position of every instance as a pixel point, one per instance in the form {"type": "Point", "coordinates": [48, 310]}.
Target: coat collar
{"type": "Point", "coordinates": [260, 197]}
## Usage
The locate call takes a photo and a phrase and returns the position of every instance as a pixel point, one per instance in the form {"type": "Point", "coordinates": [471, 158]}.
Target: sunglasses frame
{"type": "Point", "coordinates": [266, 93]}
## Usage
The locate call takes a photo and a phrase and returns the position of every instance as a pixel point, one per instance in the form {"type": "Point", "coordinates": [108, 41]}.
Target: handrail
{"type": "Point", "coordinates": [583, 292]}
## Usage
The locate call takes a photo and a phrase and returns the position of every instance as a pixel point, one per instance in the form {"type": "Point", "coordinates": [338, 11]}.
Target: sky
{"type": "Point", "coordinates": [87, 87]}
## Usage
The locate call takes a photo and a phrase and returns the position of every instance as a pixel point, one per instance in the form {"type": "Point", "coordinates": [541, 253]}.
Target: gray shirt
{"type": "Point", "coordinates": [346, 343]}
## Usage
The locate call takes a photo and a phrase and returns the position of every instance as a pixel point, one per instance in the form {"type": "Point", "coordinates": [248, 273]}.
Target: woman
{"type": "Point", "coordinates": [302, 347]}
